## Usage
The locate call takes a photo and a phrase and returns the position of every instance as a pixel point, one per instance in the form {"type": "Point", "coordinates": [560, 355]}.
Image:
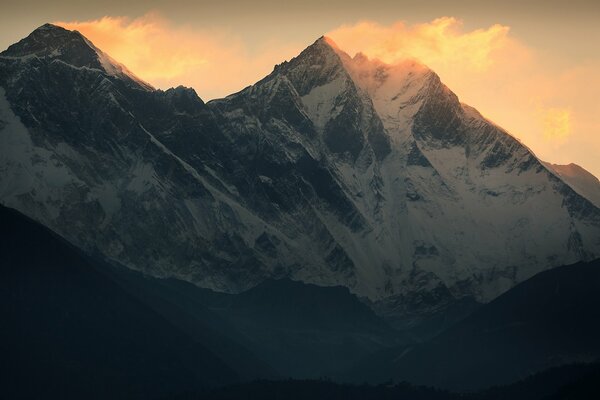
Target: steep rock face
{"type": "Point", "coordinates": [79, 155]}
{"type": "Point", "coordinates": [472, 192]}
{"type": "Point", "coordinates": [331, 170]}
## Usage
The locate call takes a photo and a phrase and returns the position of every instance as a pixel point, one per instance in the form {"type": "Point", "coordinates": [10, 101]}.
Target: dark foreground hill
{"type": "Point", "coordinates": [78, 326]}
{"type": "Point", "coordinates": [69, 330]}
{"type": "Point", "coordinates": [579, 381]}
{"type": "Point", "coordinates": [75, 327]}
{"type": "Point", "coordinates": [549, 320]}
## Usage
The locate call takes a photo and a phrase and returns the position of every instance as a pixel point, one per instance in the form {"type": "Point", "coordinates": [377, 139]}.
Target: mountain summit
{"type": "Point", "coordinates": [331, 170]}
{"type": "Point", "coordinates": [71, 47]}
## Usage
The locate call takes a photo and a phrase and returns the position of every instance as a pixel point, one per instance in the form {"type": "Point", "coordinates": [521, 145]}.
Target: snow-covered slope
{"type": "Point", "coordinates": [331, 170]}
{"type": "Point", "coordinates": [69, 47]}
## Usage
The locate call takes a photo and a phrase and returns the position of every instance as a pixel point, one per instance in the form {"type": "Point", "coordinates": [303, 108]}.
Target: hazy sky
{"type": "Point", "coordinates": [532, 68]}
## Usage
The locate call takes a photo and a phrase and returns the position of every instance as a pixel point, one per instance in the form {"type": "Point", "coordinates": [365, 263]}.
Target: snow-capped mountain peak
{"type": "Point", "coordinates": [70, 47]}
{"type": "Point", "coordinates": [315, 66]}
{"type": "Point", "coordinates": [339, 110]}
{"type": "Point", "coordinates": [395, 89]}
{"type": "Point", "coordinates": [332, 170]}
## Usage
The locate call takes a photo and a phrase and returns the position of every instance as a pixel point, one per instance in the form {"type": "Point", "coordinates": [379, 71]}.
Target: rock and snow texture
{"type": "Point", "coordinates": [331, 170]}
{"type": "Point", "coordinates": [72, 48]}
{"type": "Point", "coordinates": [579, 179]}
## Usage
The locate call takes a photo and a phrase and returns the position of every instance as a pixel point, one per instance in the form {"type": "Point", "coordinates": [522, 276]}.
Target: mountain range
{"type": "Point", "coordinates": [331, 170]}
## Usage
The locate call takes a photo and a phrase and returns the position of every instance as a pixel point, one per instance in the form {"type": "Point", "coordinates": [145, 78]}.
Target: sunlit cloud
{"type": "Point", "coordinates": [440, 42]}
{"type": "Point", "coordinates": [556, 124]}
{"type": "Point", "coordinates": [554, 110]}
{"type": "Point", "coordinates": [548, 103]}
{"type": "Point", "coordinates": [214, 62]}
{"type": "Point", "coordinates": [143, 45]}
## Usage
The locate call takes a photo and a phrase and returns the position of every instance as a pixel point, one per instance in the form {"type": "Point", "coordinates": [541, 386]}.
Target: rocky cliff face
{"type": "Point", "coordinates": [330, 170]}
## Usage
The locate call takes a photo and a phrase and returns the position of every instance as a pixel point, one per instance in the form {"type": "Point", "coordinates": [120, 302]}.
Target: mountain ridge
{"type": "Point", "coordinates": [383, 186]}
{"type": "Point", "coordinates": [72, 48]}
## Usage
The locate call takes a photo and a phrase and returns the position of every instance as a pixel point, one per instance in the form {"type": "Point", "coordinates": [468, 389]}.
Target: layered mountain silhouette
{"type": "Point", "coordinates": [570, 382]}
{"type": "Point", "coordinates": [299, 330]}
{"type": "Point", "coordinates": [341, 217]}
{"type": "Point", "coordinates": [331, 170]}
{"type": "Point", "coordinates": [71, 331]}
{"type": "Point", "coordinates": [549, 320]}
{"type": "Point", "coordinates": [76, 327]}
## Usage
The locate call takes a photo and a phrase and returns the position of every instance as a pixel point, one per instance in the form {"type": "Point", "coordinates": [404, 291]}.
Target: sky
{"type": "Point", "coordinates": [532, 67]}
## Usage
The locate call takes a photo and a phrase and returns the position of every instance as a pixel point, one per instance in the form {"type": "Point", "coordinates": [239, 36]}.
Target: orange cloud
{"type": "Point", "coordinates": [440, 43]}
{"type": "Point", "coordinates": [552, 109]}
{"type": "Point", "coordinates": [556, 123]}
{"type": "Point", "coordinates": [215, 63]}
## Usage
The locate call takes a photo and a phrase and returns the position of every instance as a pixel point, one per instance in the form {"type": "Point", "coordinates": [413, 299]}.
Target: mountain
{"type": "Point", "coordinates": [582, 181]}
{"type": "Point", "coordinates": [331, 170]}
{"type": "Point", "coordinates": [66, 313]}
{"type": "Point", "coordinates": [549, 320]}
{"type": "Point", "coordinates": [301, 330]}
{"type": "Point", "coordinates": [298, 330]}
{"type": "Point", "coordinates": [72, 49]}
{"type": "Point", "coordinates": [71, 331]}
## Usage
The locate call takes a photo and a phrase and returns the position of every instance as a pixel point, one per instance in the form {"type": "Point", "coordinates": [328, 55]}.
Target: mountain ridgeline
{"type": "Point", "coordinates": [331, 170]}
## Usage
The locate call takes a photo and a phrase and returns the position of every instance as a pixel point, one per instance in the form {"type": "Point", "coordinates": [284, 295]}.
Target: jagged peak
{"type": "Point", "coordinates": [316, 65]}
{"type": "Point", "coordinates": [71, 47]}
{"type": "Point", "coordinates": [46, 40]}
{"type": "Point", "coordinates": [362, 62]}
{"type": "Point", "coordinates": [183, 92]}
{"type": "Point", "coordinates": [325, 49]}
{"type": "Point", "coordinates": [329, 43]}
{"type": "Point", "coordinates": [400, 80]}
{"type": "Point", "coordinates": [51, 27]}
{"type": "Point", "coordinates": [360, 57]}
{"type": "Point", "coordinates": [324, 58]}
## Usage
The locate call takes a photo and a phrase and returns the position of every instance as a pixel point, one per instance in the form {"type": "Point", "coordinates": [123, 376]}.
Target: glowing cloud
{"type": "Point", "coordinates": [440, 42]}
{"type": "Point", "coordinates": [556, 124]}
{"type": "Point", "coordinates": [548, 106]}
{"type": "Point", "coordinates": [215, 63]}
{"type": "Point", "coordinates": [142, 45]}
